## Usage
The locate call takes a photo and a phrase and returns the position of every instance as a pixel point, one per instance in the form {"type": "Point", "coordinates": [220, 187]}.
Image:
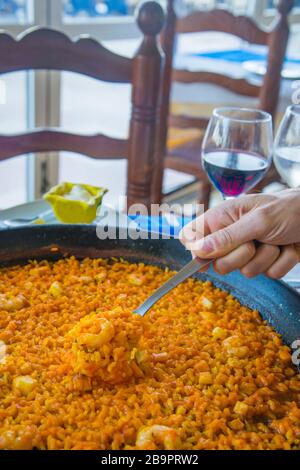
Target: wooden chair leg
{"type": "Point", "coordinates": [204, 192]}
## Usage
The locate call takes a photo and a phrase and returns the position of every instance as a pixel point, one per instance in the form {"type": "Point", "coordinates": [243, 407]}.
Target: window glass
{"type": "Point", "coordinates": [13, 119]}
{"type": "Point", "coordinates": [15, 11]}
{"type": "Point", "coordinates": [95, 9]}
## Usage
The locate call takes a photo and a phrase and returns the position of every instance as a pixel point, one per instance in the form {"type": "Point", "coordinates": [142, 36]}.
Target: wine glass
{"type": "Point", "coordinates": [287, 147]}
{"type": "Point", "coordinates": [237, 149]}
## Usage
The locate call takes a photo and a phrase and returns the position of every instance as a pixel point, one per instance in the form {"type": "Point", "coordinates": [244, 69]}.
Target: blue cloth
{"type": "Point", "coordinates": [237, 55]}
{"type": "Point", "coordinates": [161, 224]}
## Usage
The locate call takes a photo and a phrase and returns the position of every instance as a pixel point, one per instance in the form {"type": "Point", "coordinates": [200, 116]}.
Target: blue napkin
{"type": "Point", "coordinates": [164, 225]}
{"type": "Point", "coordinates": [237, 55]}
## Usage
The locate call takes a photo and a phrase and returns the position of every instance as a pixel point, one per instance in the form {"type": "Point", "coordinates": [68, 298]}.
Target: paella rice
{"type": "Point", "coordinates": [79, 371]}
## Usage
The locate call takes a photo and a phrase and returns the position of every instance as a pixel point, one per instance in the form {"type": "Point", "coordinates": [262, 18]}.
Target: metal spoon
{"type": "Point", "coordinates": [187, 271]}
{"type": "Point", "coordinates": [19, 221]}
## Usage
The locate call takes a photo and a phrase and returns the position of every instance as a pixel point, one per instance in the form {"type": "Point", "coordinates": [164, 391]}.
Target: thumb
{"type": "Point", "coordinates": [223, 241]}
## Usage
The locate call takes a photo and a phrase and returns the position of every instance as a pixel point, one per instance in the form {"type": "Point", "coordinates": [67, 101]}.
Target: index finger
{"type": "Point", "coordinates": [217, 218]}
{"type": "Point", "coordinates": [194, 230]}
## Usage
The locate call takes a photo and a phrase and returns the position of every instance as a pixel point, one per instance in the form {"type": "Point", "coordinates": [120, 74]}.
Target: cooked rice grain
{"type": "Point", "coordinates": [200, 371]}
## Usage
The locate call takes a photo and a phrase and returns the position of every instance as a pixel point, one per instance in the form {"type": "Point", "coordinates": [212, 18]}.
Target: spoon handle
{"type": "Point", "coordinates": [21, 221]}
{"type": "Point", "coordinates": [187, 271]}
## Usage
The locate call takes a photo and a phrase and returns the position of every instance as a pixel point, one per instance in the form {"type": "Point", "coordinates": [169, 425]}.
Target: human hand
{"type": "Point", "coordinates": [256, 234]}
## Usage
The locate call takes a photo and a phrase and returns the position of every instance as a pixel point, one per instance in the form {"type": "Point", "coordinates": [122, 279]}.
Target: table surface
{"type": "Point", "coordinates": [37, 208]}
{"type": "Point", "coordinates": [206, 93]}
{"type": "Point", "coordinates": [187, 46]}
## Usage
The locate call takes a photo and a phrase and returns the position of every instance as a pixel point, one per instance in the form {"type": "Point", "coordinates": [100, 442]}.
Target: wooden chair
{"type": "Point", "coordinates": [187, 158]}
{"type": "Point", "coordinates": [41, 48]}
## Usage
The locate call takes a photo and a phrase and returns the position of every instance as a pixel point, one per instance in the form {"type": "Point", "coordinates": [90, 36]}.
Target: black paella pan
{"type": "Point", "coordinates": [277, 303]}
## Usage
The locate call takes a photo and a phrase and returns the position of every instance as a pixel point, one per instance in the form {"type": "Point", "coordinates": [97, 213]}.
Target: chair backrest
{"type": "Point", "coordinates": [245, 28]}
{"type": "Point", "coordinates": [46, 49]}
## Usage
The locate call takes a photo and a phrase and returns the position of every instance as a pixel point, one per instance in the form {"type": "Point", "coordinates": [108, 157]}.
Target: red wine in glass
{"type": "Point", "coordinates": [234, 172]}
